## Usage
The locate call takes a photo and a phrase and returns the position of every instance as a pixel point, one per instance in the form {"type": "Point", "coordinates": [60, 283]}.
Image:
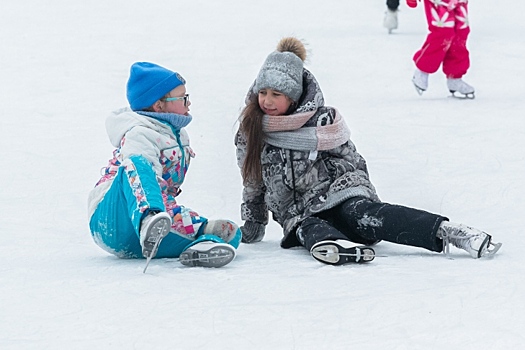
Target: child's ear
{"type": "Point", "coordinates": [157, 106]}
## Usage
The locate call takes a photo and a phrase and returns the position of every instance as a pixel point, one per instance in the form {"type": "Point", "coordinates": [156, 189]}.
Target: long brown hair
{"type": "Point", "coordinates": [252, 128]}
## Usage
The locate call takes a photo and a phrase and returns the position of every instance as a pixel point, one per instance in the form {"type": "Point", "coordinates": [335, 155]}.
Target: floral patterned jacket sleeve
{"type": "Point", "coordinates": [253, 207]}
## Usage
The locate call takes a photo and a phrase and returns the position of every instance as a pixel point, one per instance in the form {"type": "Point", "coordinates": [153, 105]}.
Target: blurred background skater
{"type": "Point", "coordinates": [390, 20]}
{"type": "Point", "coordinates": [445, 45]}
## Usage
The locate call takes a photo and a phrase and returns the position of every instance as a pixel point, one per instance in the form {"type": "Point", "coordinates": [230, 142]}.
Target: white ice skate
{"type": "Point", "coordinates": [462, 88]}
{"type": "Point", "coordinates": [420, 81]}
{"type": "Point", "coordinates": [475, 242]}
{"type": "Point", "coordinates": [207, 254]}
{"type": "Point", "coordinates": [154, 228]}
{"type": "Point", "coordinates": [341, 252]}
{"type": "Point", "coordinates": [390, 20]}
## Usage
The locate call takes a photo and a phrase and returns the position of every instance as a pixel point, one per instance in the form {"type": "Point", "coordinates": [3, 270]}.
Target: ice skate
{"type": "Point", "coordinates": [153, 229]}
{"type": "Point", "coordinates": [341, 252]}
{"type": "Point", "coordinates": [390, 20]}
{"type": "Point", "coordinates": [463, 89]}
{"type": "Point", "coordinates": [208, 254]}
{"type": "Point", "coordinates": [475, 242]}
{"type": "Point", "coordinates": [420, 81]}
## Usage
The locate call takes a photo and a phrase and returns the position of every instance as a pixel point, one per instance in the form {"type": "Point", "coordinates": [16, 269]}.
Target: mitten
{"type": "Point", "coordinates": [225, 229]}
{"type": "Point", "coordinates": [412, 3]}
{"type": "Point", "coordinates": [252, 232]}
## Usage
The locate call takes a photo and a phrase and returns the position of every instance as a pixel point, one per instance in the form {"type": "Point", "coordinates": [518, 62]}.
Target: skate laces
{"type": "Point", "coordinates": [474, 241]}
{"type": "Point", "coordinates": [456, 236]}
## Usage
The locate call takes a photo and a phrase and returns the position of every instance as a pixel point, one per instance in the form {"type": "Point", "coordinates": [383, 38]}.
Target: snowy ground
{"type": "Point", "coordinates": [64, 68]}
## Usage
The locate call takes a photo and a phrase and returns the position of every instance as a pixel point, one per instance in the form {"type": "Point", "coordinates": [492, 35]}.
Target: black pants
{"type": "Point", "coordinates": [392, 4]}
{"type": "Point", "coordinates": [363, 221]}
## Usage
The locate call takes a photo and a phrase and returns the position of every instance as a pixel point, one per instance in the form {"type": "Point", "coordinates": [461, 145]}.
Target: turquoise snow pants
{"type": "Point", "coordinates": [115, 224]}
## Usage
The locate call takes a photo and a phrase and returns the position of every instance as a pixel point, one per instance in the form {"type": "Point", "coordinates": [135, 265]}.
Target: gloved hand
{"type": "Point", "coordinates": [412, 3]}
{"type": "Point", "coordinates": [252, 232]}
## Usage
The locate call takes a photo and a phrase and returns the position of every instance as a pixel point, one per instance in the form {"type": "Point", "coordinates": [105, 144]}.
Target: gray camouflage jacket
{"type": "Point", "coordinates": [299, 181]}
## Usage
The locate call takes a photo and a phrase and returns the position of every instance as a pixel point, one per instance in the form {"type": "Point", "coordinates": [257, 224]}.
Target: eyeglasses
{"type": "Point", "coordinates": [186, 99]}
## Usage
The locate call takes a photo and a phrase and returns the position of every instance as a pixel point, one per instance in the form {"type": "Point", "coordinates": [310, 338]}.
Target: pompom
{"type": "Point", "coordinates": [293, 45]}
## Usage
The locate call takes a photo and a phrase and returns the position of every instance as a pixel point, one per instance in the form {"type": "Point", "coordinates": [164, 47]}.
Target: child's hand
{"type": "Point", "coordinates": [252, 232]}
{"type": "Point", "coordinates": [412, 3]}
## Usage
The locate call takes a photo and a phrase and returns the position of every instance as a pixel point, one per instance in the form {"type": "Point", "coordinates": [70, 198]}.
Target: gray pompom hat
{"type": "Point", "coordinates": [282, 71]}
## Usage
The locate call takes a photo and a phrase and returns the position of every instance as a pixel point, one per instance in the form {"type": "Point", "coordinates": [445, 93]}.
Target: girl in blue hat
{"type": "Point", "coordinates": [133, 209]}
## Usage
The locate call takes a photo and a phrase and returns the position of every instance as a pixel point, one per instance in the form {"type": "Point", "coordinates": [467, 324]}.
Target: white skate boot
{"type": "Point", "coordinates": [420, 81]}
{"type": "Point", "coordinates": [390, 20]}
{"type": "Point", "coordinates": [154, 228]}
{"type": "Point", "coordinates": [459, 86]}
{"type": "Point", "coordinates": [475, 242]}
{"type": "Point", "coordinates": [341, 252]}
{"type": "Point", "coordinates": [207, 254]}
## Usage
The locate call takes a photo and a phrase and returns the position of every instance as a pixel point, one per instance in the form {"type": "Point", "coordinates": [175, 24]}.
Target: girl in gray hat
{"type": "Point", "coordinates": [298, 162]}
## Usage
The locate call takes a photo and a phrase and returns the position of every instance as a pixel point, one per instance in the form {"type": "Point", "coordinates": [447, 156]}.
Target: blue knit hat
{"type": "Point", "coordinates": [148, 83]}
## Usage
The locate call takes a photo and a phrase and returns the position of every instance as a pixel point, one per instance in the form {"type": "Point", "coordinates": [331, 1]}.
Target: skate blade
{"type": "Point", "coordinates": [148, 260]}
{"type": "Point", "coordinates": [330, 254]}
{"type": "Point", "coordinates": [153, 252]}
{"type": "Point", "coordinates": [214, 257]}
{"type": "Point", "coordinates": [469, 96]}
{"type": "Point", "coordinates": [418, 89]}
{"type": "Point", "coordinates": [490, 252]}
